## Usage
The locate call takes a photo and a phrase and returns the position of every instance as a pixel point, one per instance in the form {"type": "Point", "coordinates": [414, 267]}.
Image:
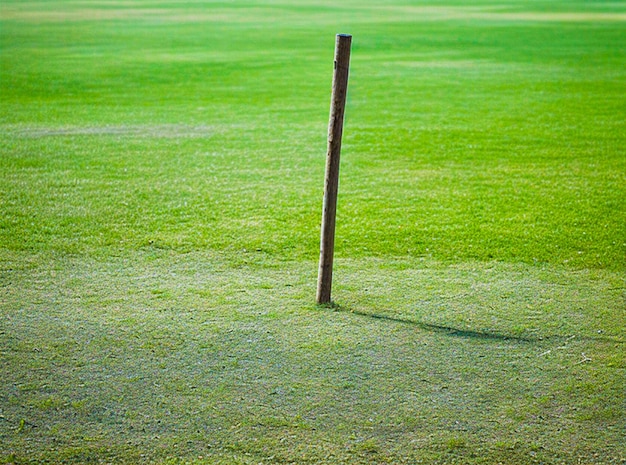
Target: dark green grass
{"type": "Point", "coordinates": [161, 174]}
{"type": "Point", "coordinates": [466, 139]}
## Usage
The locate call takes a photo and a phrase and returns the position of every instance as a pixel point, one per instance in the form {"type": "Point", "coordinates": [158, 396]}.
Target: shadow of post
{"type": "Point", "coordinates": [463, 333]}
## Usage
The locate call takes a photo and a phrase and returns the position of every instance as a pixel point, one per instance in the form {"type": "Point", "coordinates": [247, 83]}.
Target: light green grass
{"type": "Point", "coordinates": [161, 173]}
{"type": "Point", "coordinates": [157, 354]}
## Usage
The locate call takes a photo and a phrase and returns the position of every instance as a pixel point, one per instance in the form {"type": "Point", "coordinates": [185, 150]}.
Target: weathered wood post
{"type": "Point", "coordinates": [331, 182]}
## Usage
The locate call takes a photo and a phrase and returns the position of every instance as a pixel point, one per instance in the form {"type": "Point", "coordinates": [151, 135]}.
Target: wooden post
{"type": "Point", "coordinates": [331, 182]}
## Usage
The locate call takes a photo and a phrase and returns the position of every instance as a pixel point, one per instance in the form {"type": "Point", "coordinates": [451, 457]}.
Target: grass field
{"type": "Point", "coordinates": [161, 175]}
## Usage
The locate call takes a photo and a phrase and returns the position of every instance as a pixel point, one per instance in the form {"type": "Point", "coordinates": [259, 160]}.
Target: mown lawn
{"type": "Point", "coordinates": [161, 175]}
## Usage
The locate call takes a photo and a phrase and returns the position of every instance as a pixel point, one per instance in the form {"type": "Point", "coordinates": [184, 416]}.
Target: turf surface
{"type": "Point", "coordinates": [161, 168]}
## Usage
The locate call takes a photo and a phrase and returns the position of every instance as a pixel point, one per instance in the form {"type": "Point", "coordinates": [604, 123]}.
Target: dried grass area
{"type": "Point", "coordinates": [116, 11]}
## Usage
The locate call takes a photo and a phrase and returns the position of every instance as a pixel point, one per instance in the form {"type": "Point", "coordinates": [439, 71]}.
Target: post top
{"type": "Point", "coordinates": [344, 35]}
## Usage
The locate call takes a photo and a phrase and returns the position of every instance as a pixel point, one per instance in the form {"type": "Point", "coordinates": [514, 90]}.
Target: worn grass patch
{"type": "Point", "coordinates": [158, 355]}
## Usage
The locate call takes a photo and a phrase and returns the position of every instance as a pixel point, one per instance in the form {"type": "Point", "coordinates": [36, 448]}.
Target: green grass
{"type": "Point", "coordinates": [161, 173]}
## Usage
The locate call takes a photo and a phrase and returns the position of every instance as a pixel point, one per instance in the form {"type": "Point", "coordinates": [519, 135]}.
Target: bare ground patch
{"type": "Point", "coordinates": [158, 130]}
{"type": "Point", "coordinates": [442, 13]}
{"type": "Point", "coordinates": [117, 14]}
{"type": "Point", "coordinates": [553, 17]}
{"type": "Point", "coordinates": [120, 11]}
{"type": "Point", "coordinates": [463, 64]}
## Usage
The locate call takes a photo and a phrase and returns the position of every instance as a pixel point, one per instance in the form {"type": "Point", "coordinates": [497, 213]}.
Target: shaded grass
{"type": "Point", "coordinates": [160, 354]}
